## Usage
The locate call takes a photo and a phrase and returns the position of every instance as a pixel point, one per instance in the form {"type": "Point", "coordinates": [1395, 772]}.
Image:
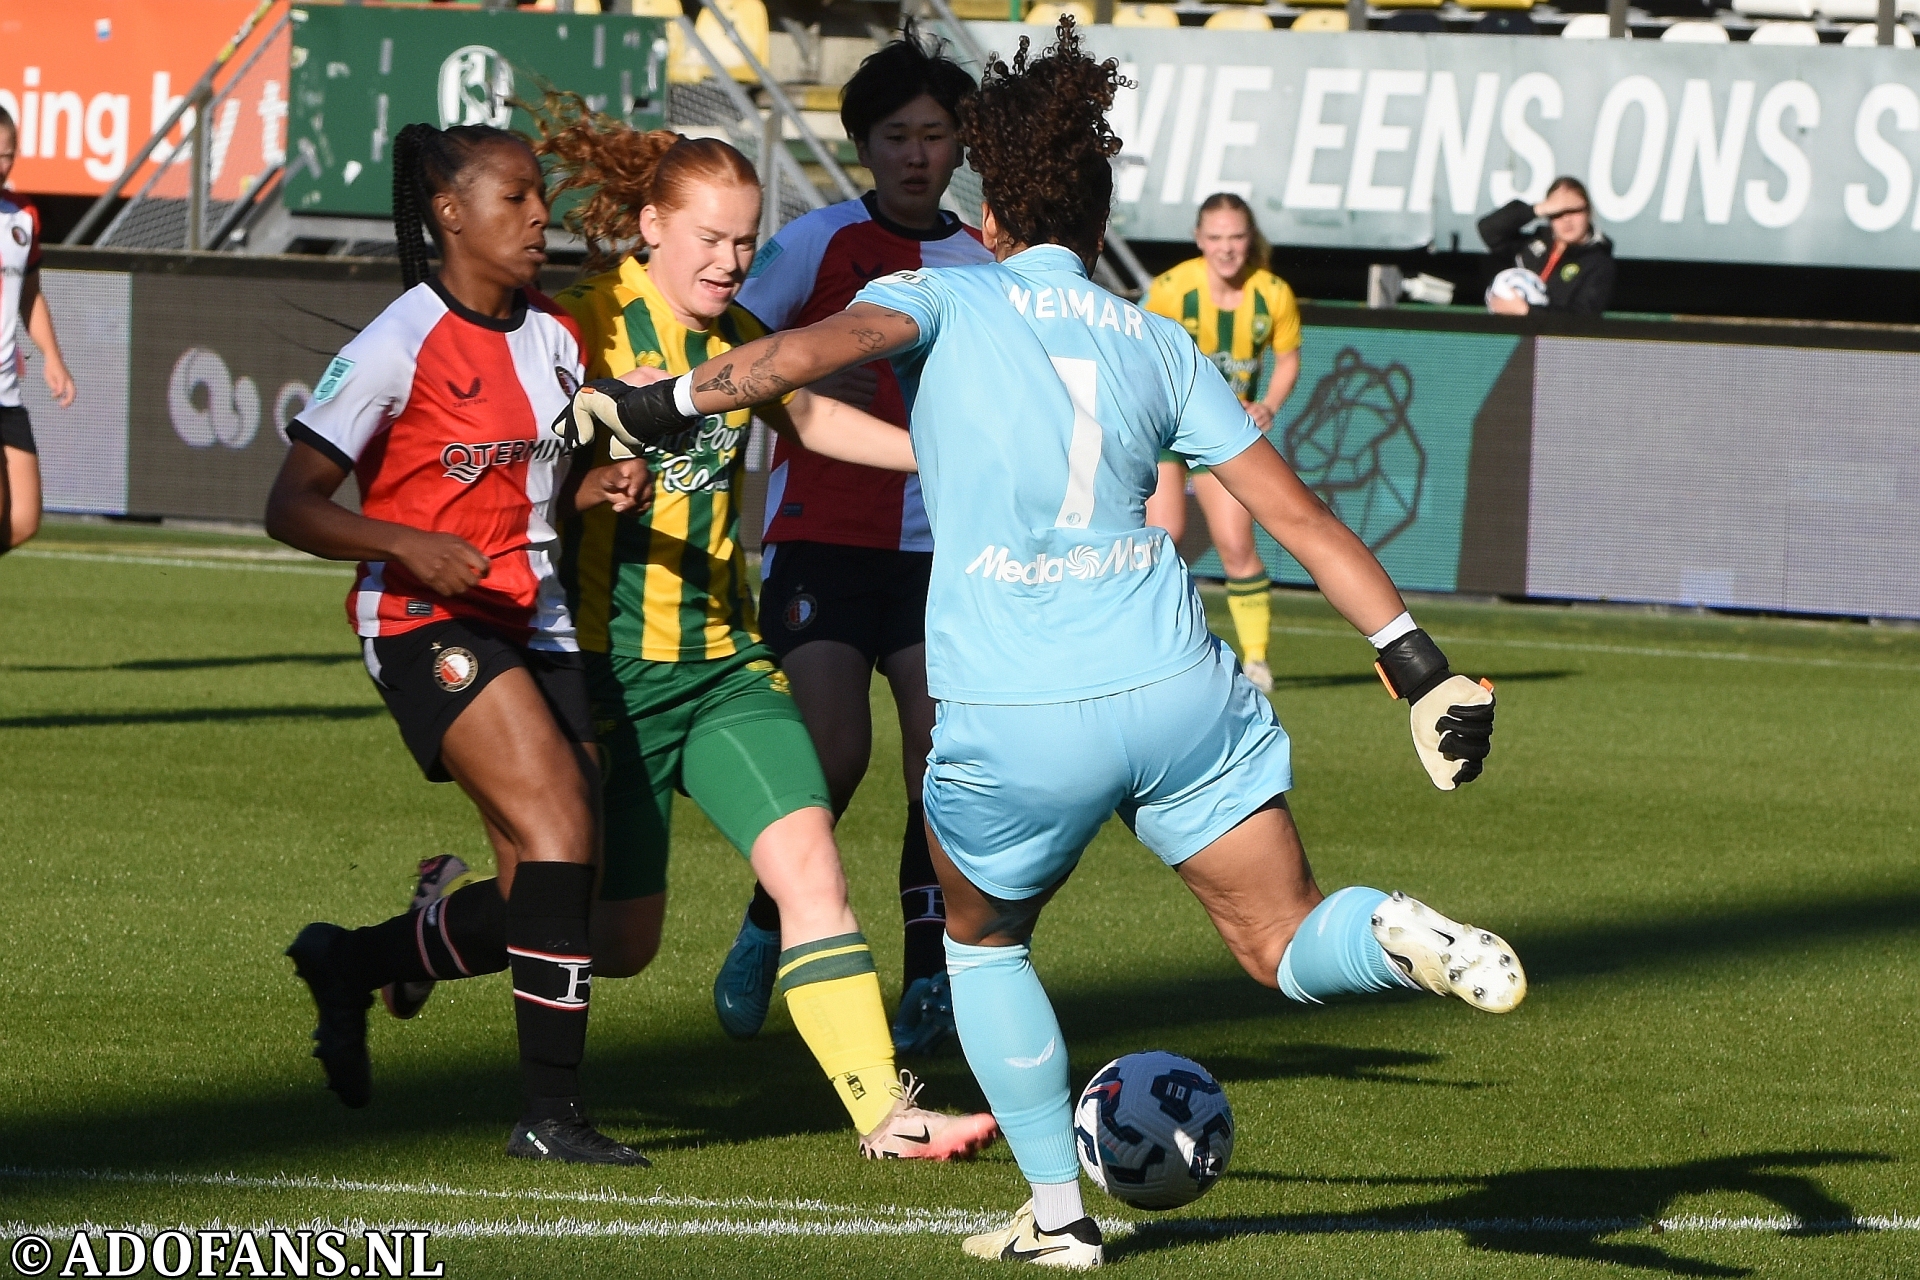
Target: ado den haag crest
{"type": "Point", "coordinates": [1354, 446]}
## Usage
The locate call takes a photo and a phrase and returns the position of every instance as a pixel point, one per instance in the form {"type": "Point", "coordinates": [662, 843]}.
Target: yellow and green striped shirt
{"type": "Point", "coordinates": [669, 585]}
{"type": "Point", "coordinates": [1236, 341]}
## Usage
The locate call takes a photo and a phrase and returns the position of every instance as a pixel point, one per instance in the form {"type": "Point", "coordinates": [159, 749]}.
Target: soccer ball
{"type": "Point", "coordinates": [1154, 1130]}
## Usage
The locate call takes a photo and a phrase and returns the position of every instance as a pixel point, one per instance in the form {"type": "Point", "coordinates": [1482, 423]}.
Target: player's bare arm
{"type": "Point", "coordinates": [836, 430]}
{"type": "Point", "coordinates": [772, 366]}
{"type": "Point", "coordinates": [301, 512]}
{"type": "Point", "coordinates": [1340, 564]}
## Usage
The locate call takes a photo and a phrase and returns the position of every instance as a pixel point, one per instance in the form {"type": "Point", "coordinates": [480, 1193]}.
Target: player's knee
{"type": "Point", "coordinates": [26, 523]}
{"type": "Point", "coordinates": [1260, 957]}
{"type": "Point", "coordinates": [624, 957]}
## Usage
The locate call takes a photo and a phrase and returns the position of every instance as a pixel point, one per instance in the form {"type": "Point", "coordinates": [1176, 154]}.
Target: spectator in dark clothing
{"type": "Point", "coordinates": [1569, 259]}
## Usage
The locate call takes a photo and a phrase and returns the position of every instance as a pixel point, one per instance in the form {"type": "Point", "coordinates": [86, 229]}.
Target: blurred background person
{"type": "Point", "coordinates": [1238, 311]}
{"type": "Point", "coordinates": [20, 296]}
{"type": "Point", "coordinates": [1565, 264]}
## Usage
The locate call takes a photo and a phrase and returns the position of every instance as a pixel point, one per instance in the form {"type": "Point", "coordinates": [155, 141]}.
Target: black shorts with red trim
{"type": "Point", "coordinates": [429, 675]}
{"type": "Point", "coordinates": [16, 428]}
{"type": "Point", "coordinates": [872, 598]}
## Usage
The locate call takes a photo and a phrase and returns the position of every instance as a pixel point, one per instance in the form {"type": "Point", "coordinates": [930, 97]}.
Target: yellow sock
{"type": "Point", "coordinates": [1252, 610]}
{"type": "Point", "coordinates": [833, 995]}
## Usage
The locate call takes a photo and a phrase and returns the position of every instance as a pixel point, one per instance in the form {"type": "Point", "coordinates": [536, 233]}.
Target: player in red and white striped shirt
{"type": "Point", "coordinates": [20, 296]}
{"type": "Point", "coordinates": [439, 409]}
{"type": "Point", "coordinates": [848, 548]}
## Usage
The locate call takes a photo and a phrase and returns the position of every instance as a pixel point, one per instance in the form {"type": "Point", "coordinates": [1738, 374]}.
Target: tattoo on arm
{"type": "Point", "coordinates": [721, 382]}
{"type": "Point", "coordinates": [762, 382]}
{"type": "Point", "coordinates": [869, 340]}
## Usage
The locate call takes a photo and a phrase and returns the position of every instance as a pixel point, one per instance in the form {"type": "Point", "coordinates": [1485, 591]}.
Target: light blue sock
{"type": "Point", "coordinates": [1013, 1043]}
{"type": "Point", "coordinates": [1335, 952]}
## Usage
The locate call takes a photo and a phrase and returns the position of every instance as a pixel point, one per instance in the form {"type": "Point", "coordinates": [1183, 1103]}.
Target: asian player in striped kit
{"type": "Point", "coordinates": [1067, 646]}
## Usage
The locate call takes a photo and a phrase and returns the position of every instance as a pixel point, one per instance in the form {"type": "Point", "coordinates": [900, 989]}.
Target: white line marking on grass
{"type": "Point", "coordinates": [182, 562]}
{"type": "Point", "coordinates": [298, 1182]}
{"type": "Point", "coordinates": [1633, 651]}
{"type": "Point", "coordinates": [1307, 1226]}
{"type": "Point", "coordinates": [955, 1222]}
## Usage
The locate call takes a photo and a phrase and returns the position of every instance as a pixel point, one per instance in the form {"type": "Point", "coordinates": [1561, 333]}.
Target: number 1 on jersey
{"type": "Point", "coordinates": [1082, 380]}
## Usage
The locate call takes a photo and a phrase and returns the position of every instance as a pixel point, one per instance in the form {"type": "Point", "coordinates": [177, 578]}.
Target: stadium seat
{"type": "Point", "coordinates": [1321, 20]}
{"type": "Point", "coordinates": [1505, 24]}
{"type": "Point", "coordinates": [1696, 33]}
{"type": "Point", "coordinates": [1481, 6]}
{"type": "Point", "coordinates": [686, 66]}
{"type": "Point", "coordinates": [1869, 35]}
{"type": "Point", "coordinates": [1796, 10]}
{"type": "Point", "coordinates": [1414, 20]}
{"type": "Point", "coordinates": [1784, 33]}
{"type": "Point", "coordinates": [1239, 20]}
{"type": "Point", "coordinates": [1863, 10]}
{"type": "Point", "coordinates": [1588, 26]}
{"type": "Point", "coordinates": [1145, 15]}
{"type": "Point", "coordinates": [1047, 14]}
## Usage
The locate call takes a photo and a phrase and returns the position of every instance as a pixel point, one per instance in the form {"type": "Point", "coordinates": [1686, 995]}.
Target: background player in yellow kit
{"type": "Point", "coordinates": [1237, 311]}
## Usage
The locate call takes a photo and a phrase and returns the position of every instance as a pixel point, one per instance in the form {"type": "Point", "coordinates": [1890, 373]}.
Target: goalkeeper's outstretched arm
{"type": "Point", "coordinates": [1452, 716]}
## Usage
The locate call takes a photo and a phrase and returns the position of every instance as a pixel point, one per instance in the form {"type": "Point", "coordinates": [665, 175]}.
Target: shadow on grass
{"type": "Point", "coordinates": [185, 715]}
{"type": "Point", "coordinates": [200, 664]}
{"type": "Point", "coordinates": [1566, 1213]}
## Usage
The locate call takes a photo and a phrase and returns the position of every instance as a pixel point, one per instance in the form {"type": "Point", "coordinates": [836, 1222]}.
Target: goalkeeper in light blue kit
{"type": "Point", "coordinates": [1066, 643]}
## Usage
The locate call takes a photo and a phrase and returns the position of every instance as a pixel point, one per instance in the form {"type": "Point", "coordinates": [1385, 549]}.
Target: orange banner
{"type": "Point", "coordinates": [89, 82]}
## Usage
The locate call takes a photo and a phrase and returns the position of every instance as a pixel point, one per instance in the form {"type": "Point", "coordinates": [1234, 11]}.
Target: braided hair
{"type": "Point", "coordinates": [1037, 135]}
{"type": "Point", "coordinates": [426, 162]}
{"type": "Point", "coordinates": [624, 170]}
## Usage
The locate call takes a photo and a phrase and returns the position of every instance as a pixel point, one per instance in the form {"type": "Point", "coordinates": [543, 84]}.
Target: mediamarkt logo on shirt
{"type": "Point", "coordinates": [1082, 562]}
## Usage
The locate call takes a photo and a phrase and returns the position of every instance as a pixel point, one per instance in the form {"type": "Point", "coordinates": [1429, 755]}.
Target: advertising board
{"type": "Point", "coordinates": [361, 73]}
{"type": "Point", "coordinates": [1730, 153]}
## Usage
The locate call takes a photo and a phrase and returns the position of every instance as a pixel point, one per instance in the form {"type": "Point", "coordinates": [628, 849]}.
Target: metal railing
{"type": "Point", "coordinates": [154, 221]}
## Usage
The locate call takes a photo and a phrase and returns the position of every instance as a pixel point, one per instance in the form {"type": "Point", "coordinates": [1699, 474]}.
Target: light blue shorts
{"type": "Point", "coordinates": [1016, 793]}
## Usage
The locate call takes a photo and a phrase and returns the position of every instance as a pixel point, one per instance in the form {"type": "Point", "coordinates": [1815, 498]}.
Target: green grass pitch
{"type": "Point", "coordinates": [1698, 832]}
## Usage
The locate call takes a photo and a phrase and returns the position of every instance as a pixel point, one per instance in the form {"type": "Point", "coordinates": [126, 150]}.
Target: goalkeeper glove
{"type": "Point", "coordinates": [632, 416]}
{"type": "Point", "coordinates": [1452, 716]}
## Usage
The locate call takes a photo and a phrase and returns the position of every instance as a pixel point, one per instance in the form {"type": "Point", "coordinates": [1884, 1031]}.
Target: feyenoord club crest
{"type": "Point", "coordinates": [455, 668]}
{"type": "Point", "coordinates": [801, 611]}
{"type": "Point", "coordinates": [568, 383]}
{"type": "Point", "coordinates": [20, 235]}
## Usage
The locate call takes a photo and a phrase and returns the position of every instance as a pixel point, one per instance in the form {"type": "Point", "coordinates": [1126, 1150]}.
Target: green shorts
{"type": "Point", "coordinates": [724, 731]}
{"type": "Point", "coordinates": [1193, 468]}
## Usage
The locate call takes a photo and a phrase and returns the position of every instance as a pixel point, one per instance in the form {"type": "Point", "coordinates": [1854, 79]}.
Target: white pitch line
{"type": "Point", "coordinates": [953, 1223]}
{"type": "Point", "coordinates": [182, 562]}
{"type": "Point", "coordinates": [297, 1182]}
{"type": "Point", "coordinates": [1633, 651]}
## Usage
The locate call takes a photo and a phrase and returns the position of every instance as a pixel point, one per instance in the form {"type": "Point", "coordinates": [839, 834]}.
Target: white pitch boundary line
{"type": "Point", "coordinates": [1632, 651]}
{"type": "Point", "coordinates": [296, 1182]}
{"type": "Point", "coordinates": [872, 1227]}
{"type": "Point", "coordinates": [181, 562]}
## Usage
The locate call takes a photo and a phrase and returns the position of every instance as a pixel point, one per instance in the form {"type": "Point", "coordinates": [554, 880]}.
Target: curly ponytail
{"type": "Point", "coordinates": [625, 170]}
{"type": "Point", "coordinates": [1037, 135]}
{"type": "Point", "coordinates": [427, 161]}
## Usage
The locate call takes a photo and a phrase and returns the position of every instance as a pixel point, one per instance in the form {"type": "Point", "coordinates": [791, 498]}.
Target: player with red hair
{"type": "Point", "coordinates": [686, 696]}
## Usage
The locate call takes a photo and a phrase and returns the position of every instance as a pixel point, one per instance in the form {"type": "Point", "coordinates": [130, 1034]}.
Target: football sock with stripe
{"type": "Point", "coordinates": [1013, 1044]}
{"type": "Point", "coordinates": [923, 910]}
{"type": "Point", "coordinates": [1335, 952]}
{"type": "Point", "coordinates": [1250, 602]}
{"type": "Point", "coordinates": [552, 981]}
{"type": "Point", "coordinates": [461, 935]}
{"type": "Point", "coordinates": [833, 995]}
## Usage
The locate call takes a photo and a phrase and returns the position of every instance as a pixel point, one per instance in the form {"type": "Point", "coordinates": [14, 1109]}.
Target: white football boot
{"type": "Point", "coordinates": [1447, 957]}
{"type": "Point", "coordinates": [911, 1132]}
{"type": "Point", "coordinates": [1074, 1247]}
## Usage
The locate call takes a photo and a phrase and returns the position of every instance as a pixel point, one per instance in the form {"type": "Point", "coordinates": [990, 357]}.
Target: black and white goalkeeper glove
{"type": "Point", "coordinates": [631, 416]}
{"type": "Point", "coordinates": [1452, 715]}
